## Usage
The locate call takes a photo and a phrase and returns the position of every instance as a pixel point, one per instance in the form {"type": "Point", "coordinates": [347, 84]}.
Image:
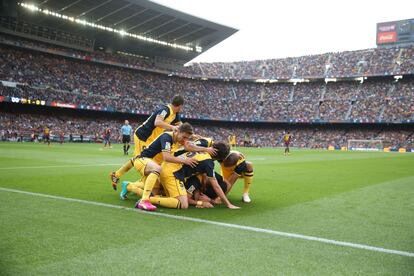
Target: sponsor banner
{"type": "Point", "coordinates": [66, 105]}
{"type": "Point", "coordinates": [364, 149]}
{"type": "Point", "coordinates": [386, 27]}
{"type": "Point", "coordinates": [9, 83]}
{"type": "Point", "coordinates": [1, 99]}
{"type": "Point", "coordinates": [386, 37]}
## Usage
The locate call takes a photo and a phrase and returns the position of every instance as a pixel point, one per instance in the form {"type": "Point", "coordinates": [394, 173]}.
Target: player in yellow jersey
{"type": "Point", "coordinates": [204, 167]}
{"type": "Point", "coordinates": [46, 135]}
{"type": "Point", "coordinates": [165, 118]}
{"type": "Point", "coordinates": [232, 140]}
{"type": "Point", "coordinates": [235, 166]}
{"type": "Point", "coordinates": [149, 169]}
{"type": "Point", "coordinates": [173, 176]}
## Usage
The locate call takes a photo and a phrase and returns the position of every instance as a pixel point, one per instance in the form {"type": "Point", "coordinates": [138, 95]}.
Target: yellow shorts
{"type": "Point", "coordinates": [139, 145]}
{"type": "Point", "coordinates": [140, 164]}
{"type": "Point", "coordinates": [172, 186]}
{"type": "Point", "coordinates": [158, 158]}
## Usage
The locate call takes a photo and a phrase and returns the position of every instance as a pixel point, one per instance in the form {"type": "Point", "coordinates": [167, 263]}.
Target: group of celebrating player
{"type": "Point", "coordinates": [177, 166]}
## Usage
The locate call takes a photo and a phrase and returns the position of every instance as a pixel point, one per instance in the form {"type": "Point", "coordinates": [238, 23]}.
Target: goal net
{"type": "Point", "coordinates": [369, 145]}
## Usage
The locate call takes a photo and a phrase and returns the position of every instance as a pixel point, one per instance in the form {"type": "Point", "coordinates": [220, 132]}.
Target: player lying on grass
{"type": "Point", "coordinates": [173, 176]}
{"type": "Point", "coordinates": [235, 166]}
{"type": "Point", "coordinates": [201, 194]}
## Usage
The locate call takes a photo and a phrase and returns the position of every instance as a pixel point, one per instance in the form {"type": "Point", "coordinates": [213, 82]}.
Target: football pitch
{"type": "Point", "coordinates": [314, 212]}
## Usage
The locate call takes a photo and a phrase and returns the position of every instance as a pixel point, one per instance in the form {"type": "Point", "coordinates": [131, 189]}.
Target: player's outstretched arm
{"type": "Point", "coordinates": [213, 182]}
{"type": "Point", "coordinates": [189, 146]}
{"type": "Point", "coordinates": [168, 157]}
{"type": "Point", "coordinates": [199, 203]}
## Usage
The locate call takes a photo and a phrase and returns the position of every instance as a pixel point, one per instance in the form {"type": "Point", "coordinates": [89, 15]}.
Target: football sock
{"type": "Point", "coordinates": [136, 187]}
{"type": "Point", "coordinates": [124, 169]}
{"type": "Point", "coordinates": [149, 184]}
{"type": "Point", "coordinates": [124, 149]}
{"type": "Point", "coordinates": [167, 202]}
{"type": "Point", "coordinates": [248, 179]}
{"type": "Point", "coordinates": [127, 148]}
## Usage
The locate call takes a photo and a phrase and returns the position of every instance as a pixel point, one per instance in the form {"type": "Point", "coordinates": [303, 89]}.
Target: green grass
{"type": "Point", "coordinates": [357, 197]}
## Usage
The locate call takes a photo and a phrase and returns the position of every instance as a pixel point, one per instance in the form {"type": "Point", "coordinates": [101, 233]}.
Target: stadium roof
{"type": "Point", "coordinates": [140, 17]}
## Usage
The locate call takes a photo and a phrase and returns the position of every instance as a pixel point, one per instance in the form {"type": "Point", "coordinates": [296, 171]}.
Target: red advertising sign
{"type": "Point", "coordinates": [386, 37]}
{"type": "Point", "coordinates": [1, 98]}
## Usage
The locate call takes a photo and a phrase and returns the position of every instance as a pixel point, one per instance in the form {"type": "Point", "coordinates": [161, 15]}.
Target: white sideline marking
{"type": "Point", "coordinates": [59, 166]}
{"type": "Point", "coordinates": [228, 225]}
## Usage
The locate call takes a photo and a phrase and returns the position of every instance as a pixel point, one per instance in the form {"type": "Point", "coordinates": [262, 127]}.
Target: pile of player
{"type": "Point", "coordinates": [177, 166]}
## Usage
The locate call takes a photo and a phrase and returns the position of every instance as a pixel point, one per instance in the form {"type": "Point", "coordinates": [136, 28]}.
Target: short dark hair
{"type": "Point", "coordinates": [177, 100]}
{"type": "Point", "coordinates": [231, 159]}
{"type": "Point", "coordinates": [223, 150]}
{"type": "Point", "coordinates": [186, 128]}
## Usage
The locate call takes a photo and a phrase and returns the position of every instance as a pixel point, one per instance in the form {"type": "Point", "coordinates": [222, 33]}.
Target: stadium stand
{"type": "Point", "coordinates": [348, 89]}
{"type": "Point", "coordinates": [59, 79]}
{"type": "Point", "coordinates": [370, 62]}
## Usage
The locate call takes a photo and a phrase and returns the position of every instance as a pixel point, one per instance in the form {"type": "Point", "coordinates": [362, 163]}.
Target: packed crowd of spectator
{"type": "Point", "coordinates": [57, 79]}
{"type": "Point", "coordinates": [30, 127]}
{"type": "Point", "coordinates": [26, 127]}
{"type": "Point", "coordinates": [370, 62]}
{"type": "Point", "coordinates": [120, 58]}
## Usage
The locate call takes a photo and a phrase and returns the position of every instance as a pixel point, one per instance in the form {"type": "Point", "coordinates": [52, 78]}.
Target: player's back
{"type": "Point", "coordinates": [148, 131]}
{"type": "Point", "coordinates": [205, 165]}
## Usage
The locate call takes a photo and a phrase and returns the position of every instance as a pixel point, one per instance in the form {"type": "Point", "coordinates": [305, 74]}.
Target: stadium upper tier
{"type": "Point", "coordinates": [68, 82]}
{"type": "Point", "coordinates": [370, 62]}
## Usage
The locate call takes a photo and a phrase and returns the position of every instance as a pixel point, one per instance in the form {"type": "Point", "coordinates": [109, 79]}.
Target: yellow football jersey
{"type": "Point", "coordinates": [238, 168]}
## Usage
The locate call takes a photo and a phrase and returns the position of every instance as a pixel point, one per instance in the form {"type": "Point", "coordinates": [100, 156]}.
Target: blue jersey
{"type": "Point", "coordinates": [202, 142]}
{"type": "Point", "coordinates": [148, 128]}
{"type": "Point", "coordinates": [126, 130]}
{"type": "Point", "coordinates": [164, 142]}
{"type": "Point", "coordinates": [205, 165]}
